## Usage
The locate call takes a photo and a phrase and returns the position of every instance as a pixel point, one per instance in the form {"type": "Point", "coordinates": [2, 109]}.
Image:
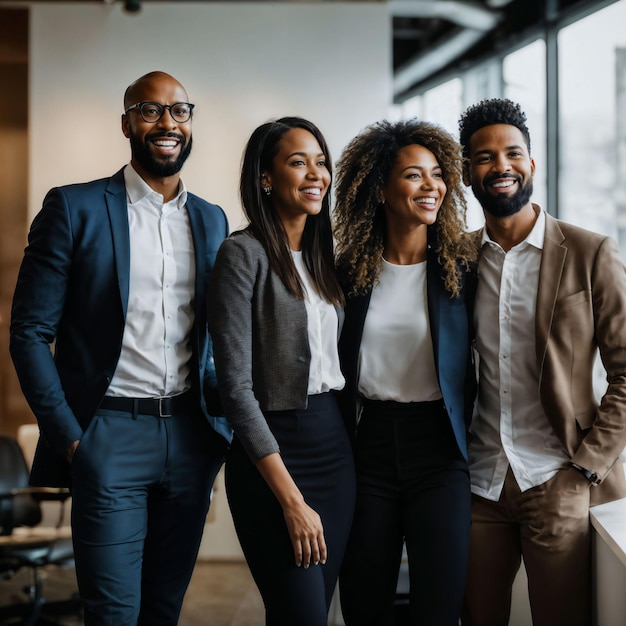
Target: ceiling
{"type": "Point", "coordinates": [431, 37]}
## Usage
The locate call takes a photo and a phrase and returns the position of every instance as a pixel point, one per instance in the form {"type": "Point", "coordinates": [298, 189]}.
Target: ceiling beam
{"type": "Point", "coordinates": [465, 14]}
{"type": "Point", "coordinates": [473, 21]}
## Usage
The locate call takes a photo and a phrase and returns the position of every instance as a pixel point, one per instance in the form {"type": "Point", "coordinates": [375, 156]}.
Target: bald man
{"type": "Point", "coordinates": [115, 275]}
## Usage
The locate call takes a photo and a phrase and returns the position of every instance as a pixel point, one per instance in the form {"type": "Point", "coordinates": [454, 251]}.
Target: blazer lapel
{"type": "Point", "coordinates": [199, 236]}
{"type": "Point", "coordinates": [550, 272]}
{"type": "Point", "coordinates": [434, 292]}
{"type": "Point", "coordinates": [198, 233]}
{"type": "Point", "coordinates": [351, 334]}
{"type": "Point", "coordinates": [115, 199]}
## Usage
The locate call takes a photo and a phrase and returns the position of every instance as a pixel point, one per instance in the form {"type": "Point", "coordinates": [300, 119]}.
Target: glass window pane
{"type": "Point", "coordinates": [592, 174]}
{"type": "Point", "coordinates": [442, 105]}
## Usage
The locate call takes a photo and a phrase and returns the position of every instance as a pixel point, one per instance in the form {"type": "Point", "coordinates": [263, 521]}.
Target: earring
{"type": "Point", "coordinates": [267, 191]}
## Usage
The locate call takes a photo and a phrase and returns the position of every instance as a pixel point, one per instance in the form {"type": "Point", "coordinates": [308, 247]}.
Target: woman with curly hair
{"type": "Point", "coordinates": [273, 311]}
{"type": "Point", "coordinates": [407, 269]}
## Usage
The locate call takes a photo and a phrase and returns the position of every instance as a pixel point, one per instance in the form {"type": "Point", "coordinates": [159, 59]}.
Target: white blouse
{"type": "Point", "coordinates": [396, 360]}
{"type": "Point", "coordinates": [323, 332]}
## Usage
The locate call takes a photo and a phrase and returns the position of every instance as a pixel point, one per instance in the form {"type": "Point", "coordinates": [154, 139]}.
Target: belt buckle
{"type": "Point", "coordinates": [164, 405]}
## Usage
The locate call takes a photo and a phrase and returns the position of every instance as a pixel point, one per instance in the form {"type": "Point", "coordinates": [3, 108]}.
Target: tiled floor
{"type": "Point", "coordinates": [220, 594]}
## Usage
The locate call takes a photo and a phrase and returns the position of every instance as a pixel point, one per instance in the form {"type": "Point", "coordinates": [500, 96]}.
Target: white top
{"type": "Point", "coordinates": [396, 360]}
{"type": "Point", "coordinates": [323, 330]}
{"type": "Point", "coordinates": [510, 426]}
{"type": "Point", "coordinates": [156, 350]}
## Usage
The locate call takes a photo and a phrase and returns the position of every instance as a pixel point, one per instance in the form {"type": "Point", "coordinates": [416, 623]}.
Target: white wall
{"type": "Point", "coordinates": [241, 63]}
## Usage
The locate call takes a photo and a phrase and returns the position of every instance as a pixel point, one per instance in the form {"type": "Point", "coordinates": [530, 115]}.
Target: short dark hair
{"type": "Point", "coordinates": [488, 112]}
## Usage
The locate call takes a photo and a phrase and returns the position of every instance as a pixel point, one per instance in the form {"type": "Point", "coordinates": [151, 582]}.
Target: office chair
{"type": "Point", "coordinates": [23, 545]}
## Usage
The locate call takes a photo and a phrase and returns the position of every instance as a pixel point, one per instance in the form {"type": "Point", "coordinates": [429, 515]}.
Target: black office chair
{"type": "Point", "coordinates": [24, 546]}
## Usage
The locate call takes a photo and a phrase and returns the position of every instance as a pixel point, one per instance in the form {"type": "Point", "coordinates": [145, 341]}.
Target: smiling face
{"type": "Point", "coordinates": [500, 169]}
{"type": "Point", "coordinates": [299, 178]}
{"type": "Point", "coordinates": [415, 189]}
{"type": "Point", "coordinates": [158, 149]}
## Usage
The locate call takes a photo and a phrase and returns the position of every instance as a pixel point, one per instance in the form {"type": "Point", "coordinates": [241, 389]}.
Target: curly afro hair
{"type": "Point", "coordinates": [359, 219]}
{"type": "Point", "coordinates": [488, 112]}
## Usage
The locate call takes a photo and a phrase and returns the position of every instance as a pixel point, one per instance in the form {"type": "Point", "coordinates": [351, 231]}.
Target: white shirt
{"type": "Point", "coordinates": [323, 329]}
{"type": "Point", "coordinates": [510, 426]}
{"type": "Point", "coordinates": [396, 360]}
{"type": "Point", "coordinates": [156, 350]}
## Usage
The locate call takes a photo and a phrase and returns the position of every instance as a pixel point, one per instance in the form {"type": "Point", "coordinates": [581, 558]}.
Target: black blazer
{"type": "Point", "coordinates": [450, 324]}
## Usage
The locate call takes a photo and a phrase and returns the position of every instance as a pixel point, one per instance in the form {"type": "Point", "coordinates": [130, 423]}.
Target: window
{"type": "Point", "coordinates": [592, 81]}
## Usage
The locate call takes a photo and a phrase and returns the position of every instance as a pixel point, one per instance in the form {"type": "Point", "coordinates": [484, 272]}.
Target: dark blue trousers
{"type": "Point", "coordinates": [316, 450]}
{"type": "Point", "coordinates": [141, 489]}
{"type": "Point", "coordinates": [412, 487]}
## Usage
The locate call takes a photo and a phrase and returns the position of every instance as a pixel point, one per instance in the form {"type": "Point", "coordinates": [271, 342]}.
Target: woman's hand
{"type": "Point", "coordinates": [306, 533]}
{"type": "Point", "coordinates": [303, 523]}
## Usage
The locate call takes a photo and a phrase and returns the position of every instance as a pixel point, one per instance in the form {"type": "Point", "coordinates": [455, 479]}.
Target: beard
{"type": "Point", "coordinates": [161, 169]}
{"type": "Point", "coordinates": [504, 205]}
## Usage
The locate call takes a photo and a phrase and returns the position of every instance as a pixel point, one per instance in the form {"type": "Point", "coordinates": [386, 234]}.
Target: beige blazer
{"type": "Point", "coordinates": [581, 309]}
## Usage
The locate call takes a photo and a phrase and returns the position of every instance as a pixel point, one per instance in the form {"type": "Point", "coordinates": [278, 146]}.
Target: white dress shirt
{"type": "Point", "coordinates": [510, 427]}
{"type": "Point", "coordinates": [396, 359]}
{"type": "Point", "coordinates": [323, 329]}
{"type": "Point", "coordinates": [156, 350]}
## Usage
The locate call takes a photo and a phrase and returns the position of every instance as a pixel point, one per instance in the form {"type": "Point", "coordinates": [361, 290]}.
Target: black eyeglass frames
{"type": "Point", "coordinates": [152, 112]}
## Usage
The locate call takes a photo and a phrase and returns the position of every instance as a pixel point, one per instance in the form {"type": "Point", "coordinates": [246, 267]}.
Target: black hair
{"type": "Point", "coordinates": [488, 112]}
{"type": "Point", "coordinates": [266, 225]}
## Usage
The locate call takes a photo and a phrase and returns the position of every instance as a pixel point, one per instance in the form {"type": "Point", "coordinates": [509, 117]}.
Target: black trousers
{"type": "Point", "coordinates": [315, 448]}
{"type": "Point", "coordinates": [413, 487]}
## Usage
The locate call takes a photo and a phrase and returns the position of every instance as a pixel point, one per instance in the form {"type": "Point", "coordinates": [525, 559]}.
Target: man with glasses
{"type": "Point", "coordinates": [115, 275]}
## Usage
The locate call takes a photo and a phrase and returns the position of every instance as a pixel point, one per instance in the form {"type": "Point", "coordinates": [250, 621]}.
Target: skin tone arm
{"type": "Point", "coordinates": [303, 523]}
{"type": "Point", "coordinates": [70, 451]}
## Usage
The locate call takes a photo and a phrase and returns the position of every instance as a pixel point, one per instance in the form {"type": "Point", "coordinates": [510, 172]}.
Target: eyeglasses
{"type": "Point", "coordinates": [152, 112]}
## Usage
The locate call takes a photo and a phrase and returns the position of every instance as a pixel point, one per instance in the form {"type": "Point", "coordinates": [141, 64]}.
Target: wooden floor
{"type": "Point", "coordinates": [220, 594]}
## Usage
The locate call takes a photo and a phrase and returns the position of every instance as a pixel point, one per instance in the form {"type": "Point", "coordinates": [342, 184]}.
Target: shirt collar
{"type": "Point", "coordinates": [137, 189]}
{"type": "Point", "coordinates": [535, 237]}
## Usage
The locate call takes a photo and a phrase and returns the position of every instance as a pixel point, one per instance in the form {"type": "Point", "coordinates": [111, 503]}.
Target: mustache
{"type": "Point", "coordinates": [165, 135]}
{"type": "Point", "coordinates": [496, 176]}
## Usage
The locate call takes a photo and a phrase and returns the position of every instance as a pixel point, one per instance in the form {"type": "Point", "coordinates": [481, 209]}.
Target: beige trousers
{"type": "Point", "coordinates": [548, 526]}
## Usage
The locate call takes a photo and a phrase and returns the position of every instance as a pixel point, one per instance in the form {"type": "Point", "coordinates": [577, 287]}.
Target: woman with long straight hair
{"type": "Point", "coordinates": [274, 308]}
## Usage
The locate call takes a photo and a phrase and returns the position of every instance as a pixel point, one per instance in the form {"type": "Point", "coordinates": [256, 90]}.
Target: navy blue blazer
{"type": "Point", "coordinates": [72, 290]}
{"type": "Point", "coordinates": [451, 328]}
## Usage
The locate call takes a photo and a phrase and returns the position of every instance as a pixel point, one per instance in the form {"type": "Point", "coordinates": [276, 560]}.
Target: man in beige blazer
{"type": "Point", "coordinates": [543, 449]}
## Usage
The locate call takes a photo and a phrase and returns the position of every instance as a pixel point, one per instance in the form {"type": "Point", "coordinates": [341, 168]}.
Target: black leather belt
{"type": "Point", "coordinates": [160, 407]}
